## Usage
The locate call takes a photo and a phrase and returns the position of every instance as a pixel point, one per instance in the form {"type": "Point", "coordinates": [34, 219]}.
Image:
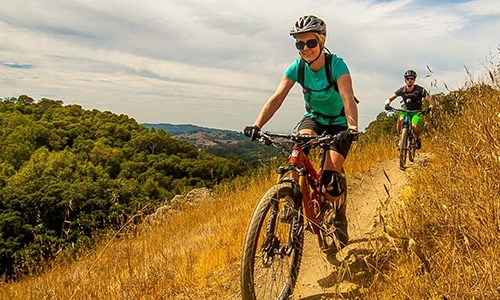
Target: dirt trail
{"type": "Point", "coordinates": [367, 197]}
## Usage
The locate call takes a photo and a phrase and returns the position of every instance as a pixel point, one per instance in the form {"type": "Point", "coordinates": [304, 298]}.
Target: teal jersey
{"type": "Point", "coordinates": [323, 103]}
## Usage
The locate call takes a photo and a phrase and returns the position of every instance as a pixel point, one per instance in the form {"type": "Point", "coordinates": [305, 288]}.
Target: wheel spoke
{"type": "Point", "coordinates": [268, 272]}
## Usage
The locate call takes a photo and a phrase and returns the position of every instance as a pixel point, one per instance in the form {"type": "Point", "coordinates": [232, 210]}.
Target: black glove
{"type": "Point", "coordinates": [389, 108]}
{"type": "Point", "coordinates": [347, 136]}
{"type": "Point", "coordinates": [252, 132]}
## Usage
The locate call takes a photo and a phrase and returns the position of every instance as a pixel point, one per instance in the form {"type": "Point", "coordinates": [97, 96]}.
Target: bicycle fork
{"type": "Point", "coordinates": [272, 245]}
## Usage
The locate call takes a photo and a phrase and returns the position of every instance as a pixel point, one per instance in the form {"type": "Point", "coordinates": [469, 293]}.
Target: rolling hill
{"type": "Point", "coordinates": [201, 137]}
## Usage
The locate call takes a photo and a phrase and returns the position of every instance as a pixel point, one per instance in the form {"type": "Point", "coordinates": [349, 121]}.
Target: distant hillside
{"type": "Point", "coordinates": [175, 129]}
{"type": "Point", "coordinates": [220, 142]}
{"type": "Point", "coordinates": [201, 137]}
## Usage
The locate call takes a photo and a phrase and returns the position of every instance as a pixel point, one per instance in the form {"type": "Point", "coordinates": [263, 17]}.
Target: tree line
{"type": "Point", "coordinates": [67, 174]}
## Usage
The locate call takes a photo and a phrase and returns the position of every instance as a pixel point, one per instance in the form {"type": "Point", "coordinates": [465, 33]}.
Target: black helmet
{"type": "Point", "coordinates": [309, 23]}
{"type": "Point", "coordinates": [410, 73]}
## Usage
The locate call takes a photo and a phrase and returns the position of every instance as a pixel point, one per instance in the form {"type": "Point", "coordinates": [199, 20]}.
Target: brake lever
{"type": "Point", "coordinates": [265, 140]}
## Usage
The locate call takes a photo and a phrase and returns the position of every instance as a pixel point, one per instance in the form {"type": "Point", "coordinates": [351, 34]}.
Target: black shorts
{"type": "Point", "coordinates": [311, 124]}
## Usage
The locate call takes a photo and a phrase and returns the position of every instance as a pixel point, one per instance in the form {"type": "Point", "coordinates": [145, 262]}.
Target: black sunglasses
{"type": "Point", "coordinates": [310, 44]}
{"type": "Point", "coordinates": [410, 78]}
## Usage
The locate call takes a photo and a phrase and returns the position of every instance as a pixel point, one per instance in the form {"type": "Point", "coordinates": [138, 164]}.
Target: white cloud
{"type": "Point", "coordinates": [481, 7]}
{"type": "Point", "coordinates": [214, 63]}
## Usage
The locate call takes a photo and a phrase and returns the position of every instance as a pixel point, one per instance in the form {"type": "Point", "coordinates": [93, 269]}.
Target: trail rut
{"type": "Point", "coordinates": [375, 193]}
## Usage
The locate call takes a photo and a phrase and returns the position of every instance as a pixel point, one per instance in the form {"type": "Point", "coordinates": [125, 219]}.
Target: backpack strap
{"type": "Point", "coordinates": [300, 74]}
{"type": "Point", "coordinates": [331, 84]}
{"type": "Point", "coordinates": [329, 118]}
{"type": "Point", "coordinates": [328, 70]}
{"type": "Point", "coordinates": [404, 100]}
{"type": "Point", "coordinates": [302, 71]}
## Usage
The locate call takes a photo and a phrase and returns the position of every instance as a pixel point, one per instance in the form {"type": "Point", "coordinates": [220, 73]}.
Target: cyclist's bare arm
{"type": "Point", "coordinates": [274, 102]}
{"type": "Point", "coordinates": [390, 99]}
{"type": "Point", "coordinates": [393, 96]}
{"type": "Point", "coordinates": [347, 94]}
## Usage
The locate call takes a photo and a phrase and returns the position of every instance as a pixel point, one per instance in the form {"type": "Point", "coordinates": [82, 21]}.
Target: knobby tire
{"type": "Point", "coordinates": [412, 148]}
{"type": "Point", "coordinates": [264, 276]}
{"type": "Point", "coordinates": [403, 147]}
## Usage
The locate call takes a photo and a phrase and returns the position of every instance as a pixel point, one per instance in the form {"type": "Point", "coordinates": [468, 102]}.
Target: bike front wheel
{"type": "Point", "coordinates": [403, 147]}
{"type": "Point", "coordinates": [273, 247]}
{"type": "Point", "coordinates": [412, 148]}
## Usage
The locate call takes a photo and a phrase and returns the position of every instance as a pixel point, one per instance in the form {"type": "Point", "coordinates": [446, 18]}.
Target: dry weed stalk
{"type": "Point", "coordinates": [453, 211]}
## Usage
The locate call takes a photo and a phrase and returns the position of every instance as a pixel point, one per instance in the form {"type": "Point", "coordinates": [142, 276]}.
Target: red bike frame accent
{"type": "Point", "coordinates": [311, 199]}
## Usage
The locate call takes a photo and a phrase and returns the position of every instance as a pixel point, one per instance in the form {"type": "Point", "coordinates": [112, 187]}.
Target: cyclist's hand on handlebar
{"type": "Point", "coordinates": [252, 132]}
{"type": "Point", "coordinates": [387, 105]}
{"type": "Point", "coordinates": [347, 136]}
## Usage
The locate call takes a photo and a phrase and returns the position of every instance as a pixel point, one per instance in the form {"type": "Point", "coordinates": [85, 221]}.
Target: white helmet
{"type": "Point", "coordinates": [309, 23]}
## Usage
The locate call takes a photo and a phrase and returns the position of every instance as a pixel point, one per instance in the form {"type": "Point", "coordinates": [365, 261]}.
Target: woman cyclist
{"type": "Point", "coordinates": [413, 96]}
{"type": "Point", "coordinates": [328, 109]}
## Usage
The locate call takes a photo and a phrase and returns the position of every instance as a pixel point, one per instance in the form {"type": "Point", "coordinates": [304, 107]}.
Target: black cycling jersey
{"type": "Point", "coordinates": [413, 99]}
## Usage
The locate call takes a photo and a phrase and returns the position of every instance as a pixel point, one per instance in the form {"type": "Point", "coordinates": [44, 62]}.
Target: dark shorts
{"type": "Point", "coordinates": [311, 124]}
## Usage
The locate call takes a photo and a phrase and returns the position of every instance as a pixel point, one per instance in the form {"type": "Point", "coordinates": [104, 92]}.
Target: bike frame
{"type": "Point", "coordinates": [406, 144]}
{"type": "Point", "coordinates": [407, 124]}
{"type": "Point", "coordinates": [310, 185]}
{"type": "Point", "coordinates": [273, 249]}
{"type": "Point", "coordinates": [407, 118]}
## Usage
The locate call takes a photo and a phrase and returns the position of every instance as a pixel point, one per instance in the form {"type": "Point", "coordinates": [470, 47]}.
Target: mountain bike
{"type": "Point", "coordinates": [407, 141]}
{"type": "Point", "coordinates": [274, 240]}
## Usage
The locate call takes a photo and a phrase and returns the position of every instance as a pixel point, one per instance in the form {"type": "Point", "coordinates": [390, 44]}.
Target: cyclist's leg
{"type": "Point", "coordinates": [399, 123]}
{"type": "Point", "coordinates": [308, 126]}
{"type": "Point", "coordinates": [332, 179]}
{"type": "Point", "coordinates": [335, 185]}
{"type": "Point", "coordinates": [334, 159]}
{"type": "Point", "coordinates": [415, 123]}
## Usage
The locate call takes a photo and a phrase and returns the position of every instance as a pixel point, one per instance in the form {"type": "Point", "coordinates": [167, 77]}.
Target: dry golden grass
{"type": "Point", "coordinates": [369, 153]}
{"type": "Point", "coordinates": [452, 212]}
{"type": "Point", "coordinates": [193, 254]}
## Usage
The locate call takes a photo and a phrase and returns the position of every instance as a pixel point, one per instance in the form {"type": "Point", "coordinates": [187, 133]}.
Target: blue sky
{"type": "Point", "coordinates": [214, 63]}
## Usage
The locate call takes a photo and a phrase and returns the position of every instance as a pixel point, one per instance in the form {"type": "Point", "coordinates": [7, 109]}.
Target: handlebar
{"type": "Point", "coordinates": [403, 110]}
{"type": "Point", "coordinates": [269, 138]}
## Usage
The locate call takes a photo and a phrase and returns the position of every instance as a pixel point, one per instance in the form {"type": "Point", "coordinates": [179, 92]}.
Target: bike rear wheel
{"type": "Point", "coordinates": [403, 147]}
{"type": "Point", "coordinates": [273, 249]}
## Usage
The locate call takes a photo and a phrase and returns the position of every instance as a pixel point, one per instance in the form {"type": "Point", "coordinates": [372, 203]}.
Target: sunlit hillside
{"type": "Point", "coordinates": [450, 209]}
{"type": "Point", "coordinates": [192, 253]}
